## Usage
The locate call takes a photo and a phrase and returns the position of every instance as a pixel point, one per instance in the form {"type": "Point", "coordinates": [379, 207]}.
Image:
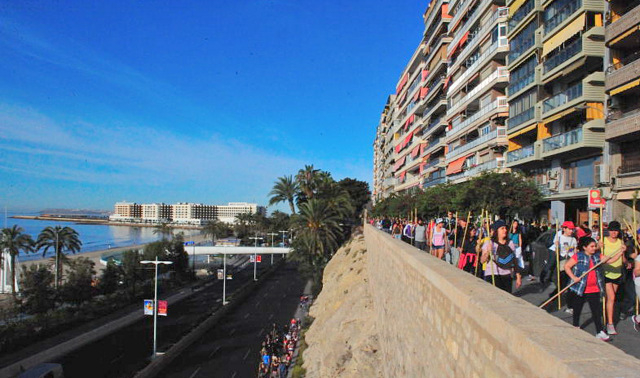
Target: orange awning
{"type": "Point", "coordinates": [415, 151]}
{"type": "Point", "coordinates": [399, 163]}
{"type": "Point", "coordinates": [456, 165]}
{"type": "Point", "coordinates": [425, 73]}
{"type": "Point", "coordinates": [423, 92]}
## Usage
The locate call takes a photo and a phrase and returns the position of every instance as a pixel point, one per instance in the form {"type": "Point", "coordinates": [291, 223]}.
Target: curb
{"type": "Point", "coordinates": [160, 363]}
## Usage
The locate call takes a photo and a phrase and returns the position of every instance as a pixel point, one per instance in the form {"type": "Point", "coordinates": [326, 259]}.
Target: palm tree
{"type": "Point", "coordinates": [163, 229]}
{"type": "Point", "coordinates": [13, 241]}
{"type": "Point", "coordinates": [285, 189]}
{"type": "Point", "coordinates": [214, 228]}
{"type": "Point", "coordinates": [318, 225]}
{"type": "Point", "coordinates": [59, 239]}
{"type": "Point", "coordinates": [307, 180]}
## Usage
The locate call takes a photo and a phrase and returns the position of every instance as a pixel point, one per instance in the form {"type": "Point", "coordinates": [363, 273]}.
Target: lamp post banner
{"type": "Point", "coordinates": [163, 306]}
{"type": "Point", "coordinates": [148, 306]}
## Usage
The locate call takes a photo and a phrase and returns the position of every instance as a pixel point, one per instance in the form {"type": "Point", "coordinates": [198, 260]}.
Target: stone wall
{"type": "Point", "coordinates": [434, 320]}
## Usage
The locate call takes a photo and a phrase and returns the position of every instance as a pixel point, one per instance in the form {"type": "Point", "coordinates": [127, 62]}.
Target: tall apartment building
{"type": "Point", "coordinates": [556, 97]}
{"type": "Point", "coordinates": [477, 77]}
{"type": "Point", "coordinates": [227, 213]}
{"type": "Point", "coordinates": [126, 212]}
{"type": "Point", "coordinates": [622, 85]}
{"type": "Point", "coordinates": [193, 213]}
{"type": "Point", "coordinates": [156, 212]}
{"type": "Point", "coordinates": [382, 149]}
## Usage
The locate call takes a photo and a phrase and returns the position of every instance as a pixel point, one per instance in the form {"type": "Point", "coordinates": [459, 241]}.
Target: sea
{"type": "Point", "coordinates": [94, 237]}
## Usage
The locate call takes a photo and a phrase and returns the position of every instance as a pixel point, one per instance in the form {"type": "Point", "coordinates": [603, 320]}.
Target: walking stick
{"type": "Point", "coordinates": [478, 252]}
{"type": "Point", "coordinates": [635, 238]}
{"type": "Point", "coordinates": [604, 299]}
{"type": "Point", "coordinates": [464, 235]}
{"type": "Point", "coordinates": [558, 262]}
{"type": "Point", "coordinates": [575, 282]}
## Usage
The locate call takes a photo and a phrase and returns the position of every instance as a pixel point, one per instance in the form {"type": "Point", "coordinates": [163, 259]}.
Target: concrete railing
{"type": "Point", "coordinates": [434, 320]}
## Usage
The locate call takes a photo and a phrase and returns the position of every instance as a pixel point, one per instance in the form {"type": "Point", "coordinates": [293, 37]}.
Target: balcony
{"type": "Point", "coordinates": [515, 88]}
{"type": "Point", "coordinates": [432, 163]}
{"type": "Point", "coordinates": [590, 89]}
{"type": "Point", "coordinates": [501, 74]}
{"type": "Point", "coordinates": [569, 142]}
{"type": "Point", "coordinates": [521, 118]}
{"type": "Point", "coordinates": [524, 155]}
{"type": "Point", "coordinates": [624, 72]}
{"type": "Point", "coordinates": [621, 25]}
{"type": "Point", "coordinates": [627, 124]}
{"type": "Point", "coordinates": [571, 57]}
{"type": "Point", "coordinates": [429, 181]}
{"type": "Point", "coordinates": [522, 14]}
{"type": "Point", "coordinates": [566, 11]}
{"type": "Point", "coordinates": [472, 68]}
{"type": "Point", "coordinates": [500, 13]}
{"type": "Point", "coordinates": [498, 133]}
{"type": "Point", "coordinates": [499, 103]}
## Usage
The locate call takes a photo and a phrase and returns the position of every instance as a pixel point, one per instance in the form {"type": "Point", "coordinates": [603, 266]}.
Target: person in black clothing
{"type": "Point", "coordinates": [468, 254]}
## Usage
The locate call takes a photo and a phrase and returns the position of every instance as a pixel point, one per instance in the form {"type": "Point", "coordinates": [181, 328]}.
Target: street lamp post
{"type": "Point", "coordinates": [255, 256]}
{"type": "Point", "coordinates": [155, 301]}
{"type": "Point", "coordinates": [272, 234]}
{"type": "Point", "coordinates": [283, 234]}
{"type": "Point", "coordinates": [224, 279]}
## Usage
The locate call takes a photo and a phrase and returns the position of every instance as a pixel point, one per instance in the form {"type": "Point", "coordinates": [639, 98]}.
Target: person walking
{"type": "Point", "coordinates": [590, 288]}
{"type": "Point", "coordinates": [612, 244]}
{"type": "Point", "coordinates": [635, 319]}
{"type": "Point", "coordinates": [396, 230]}
{"type": "Point", "coordinates": [420, 235]}
{"type": "Point", "coordinates": [499, 255]}
{"type": "Point", "coordinates": [468, 260]}
{"type": "Point", "coordinates": [438, 239]}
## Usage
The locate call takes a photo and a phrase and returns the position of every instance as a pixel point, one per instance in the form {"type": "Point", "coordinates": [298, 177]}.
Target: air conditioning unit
{"type": "Point", "coordinates": [553, 185]}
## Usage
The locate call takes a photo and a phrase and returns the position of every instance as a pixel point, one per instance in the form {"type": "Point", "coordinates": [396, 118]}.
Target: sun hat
{"type": "Point", "coordinates": [497, 224]}
{"type": "Point", "coordinates": [614, 226]}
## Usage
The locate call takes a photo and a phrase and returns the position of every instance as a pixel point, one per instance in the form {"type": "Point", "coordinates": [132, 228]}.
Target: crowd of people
{"type": "Point", "coordinates": [277, 350]}
{"type": "Point", "coordinates": [597, 264]}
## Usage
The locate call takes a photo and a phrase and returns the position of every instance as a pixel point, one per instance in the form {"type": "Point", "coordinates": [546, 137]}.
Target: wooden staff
{"type": "Point", "coordinates": [493, 275]}
{"type": "Point", "coordinates": [575, 282]}
{"type": "Point", "coordinates": [635, 238]}
{"type": "Point", "coordinates": [604, 299]}
{"type": "Point", "coordinates": [558, 262]}
{"type": "Point", "coordinates": [455, 235]}
{"type": "Point", "coordinates": [478, 252]}
{"type": "Point", "coordinates": [464, 235]}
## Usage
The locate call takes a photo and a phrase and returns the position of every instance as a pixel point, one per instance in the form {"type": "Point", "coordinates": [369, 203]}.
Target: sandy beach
{"type": "Point", "coordinates": [95, 255]}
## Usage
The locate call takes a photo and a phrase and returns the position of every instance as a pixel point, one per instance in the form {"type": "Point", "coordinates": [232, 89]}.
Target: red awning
{"type": "Point", "coordinates": [398, 147]}
{"type": "Point", "coordinates": [399, 163]}
{"type": "Point", "coordinates": [415, 151]}
{"type": "Point", "coordinates": [423, 92]}
{"type": "Point", "coordinates": [425, 73]}
{"type": "Point", "coordinates": [445, 11]}
{"type": "Point", "coordinates": [464, 38]}
{"type": "Point", "coordinates": [456, 165]}
{"type": "Point", "coordinates": [422, 167]}
{"type": "Point", "coordinates": [446, 81]}
{"type": "Point", "coordinates": [415, 96]}
{"type": "Point", "coordinates": [404, 80]}
{"type": "Point", "coordinates": [407, 140]}
{"type": "Point", "coordinates": [402, 176]}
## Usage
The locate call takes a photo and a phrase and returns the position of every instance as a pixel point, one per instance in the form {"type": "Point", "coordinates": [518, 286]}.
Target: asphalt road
{"type": "Point", "coordinates": [123, 353]}
{"type": "Point", "coordinates": [232, 348]}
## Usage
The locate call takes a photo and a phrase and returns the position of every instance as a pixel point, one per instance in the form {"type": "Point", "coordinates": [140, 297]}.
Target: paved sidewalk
{"type": "Point", "coordinates": [301, 313]}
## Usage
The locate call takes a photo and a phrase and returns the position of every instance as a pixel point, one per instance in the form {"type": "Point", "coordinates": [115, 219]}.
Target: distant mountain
{"type": "Point", "coordinates": [76, 212]}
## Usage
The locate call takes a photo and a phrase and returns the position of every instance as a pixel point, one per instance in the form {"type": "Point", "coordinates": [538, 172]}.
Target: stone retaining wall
{"type": "Point", "coordinates": [435, 320]}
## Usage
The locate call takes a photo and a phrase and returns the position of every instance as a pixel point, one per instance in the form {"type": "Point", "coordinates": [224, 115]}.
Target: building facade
{"type": "Point", "coordinates": [622, 85]}
{"type": "Point", "coordinates": [183, 213]}
{"type": "Point", "coordinates": [126, 212]}
{"type": "Point", "coordinates": [156, 213]}
{"type": "Point", "coordinates": [228, 213]}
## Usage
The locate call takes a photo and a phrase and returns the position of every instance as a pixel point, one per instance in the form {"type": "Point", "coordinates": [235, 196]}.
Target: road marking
{"type": "Point", "coordinates": [246, 354]}
{"type": "Point", "coordinates": [258, 303]}
{"type": "Point", "coordinates": [196, 372]}
{"type": "Point", "coordinates": [234, 374]}
{"type": "Point", "coordinates": [247, 315]}
{"type": "Point", "coordinates": [270, 316]}
{"type": "Point", "coordinates": [232, 332]}
{"type": "Point", "coordinates": [284, 295]}
{"type": "Point", "coordinates": [260, 333]}
{"type": "Point", "coordinates": [214, 352]}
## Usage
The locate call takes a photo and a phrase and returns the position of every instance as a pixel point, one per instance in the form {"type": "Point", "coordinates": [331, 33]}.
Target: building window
{"type": "Point", "coordinates": [581, 173]}
{"type": "Point", "coordinates": [630, 156]}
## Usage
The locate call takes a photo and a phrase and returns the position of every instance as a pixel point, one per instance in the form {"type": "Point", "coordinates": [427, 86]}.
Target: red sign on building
{"type": "Point", "coordinates": [595, 199]}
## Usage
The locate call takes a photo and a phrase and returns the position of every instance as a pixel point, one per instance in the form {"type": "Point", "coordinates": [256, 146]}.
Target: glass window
{"type": "Point", "coordinates": [581, 173]}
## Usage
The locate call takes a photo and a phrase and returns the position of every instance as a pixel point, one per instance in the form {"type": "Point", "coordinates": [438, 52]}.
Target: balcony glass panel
{"type": "Point", "coordinates": [522, 42]}
{"type": "Point", "coordinates": [563, 55]}
{"type": "Point", "coordinates": [559, 11]}
{"type": "Point", "coordinates": [521, 153]}
{"type": "Point", "coordinates": [522, 76]}
{"type": "Point", "coordinates": [563, 97]}
{"type": "Point", "coordinates": [562, 140]}
{"type": "Point", "coordinates": [521, 118]}
{"type": "Point", "coordinates": [521, 13]}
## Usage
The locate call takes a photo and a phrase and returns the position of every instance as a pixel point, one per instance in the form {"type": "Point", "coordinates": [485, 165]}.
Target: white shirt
{"type": "Point", "coordinates": [568, 245]}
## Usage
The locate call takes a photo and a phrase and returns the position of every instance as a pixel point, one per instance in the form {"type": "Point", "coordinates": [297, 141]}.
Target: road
{"type": "Point", "coordinates": [123, 353]}
{"type": "Point", "coordinates": [232, 348]}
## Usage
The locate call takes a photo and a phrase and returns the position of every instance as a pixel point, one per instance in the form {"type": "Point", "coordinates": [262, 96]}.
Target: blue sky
{"type": "Point", "coordinates": [200, 101]}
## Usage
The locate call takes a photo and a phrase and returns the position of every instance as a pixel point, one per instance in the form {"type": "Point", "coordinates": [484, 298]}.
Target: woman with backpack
{"type": "Point", "coordinates": [499, 254]}
{"type": "Point", "coordinates": [590, 288]}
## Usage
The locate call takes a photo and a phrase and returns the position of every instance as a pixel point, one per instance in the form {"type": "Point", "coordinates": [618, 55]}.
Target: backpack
{"type": "Point", "coordinates": [505, 258]}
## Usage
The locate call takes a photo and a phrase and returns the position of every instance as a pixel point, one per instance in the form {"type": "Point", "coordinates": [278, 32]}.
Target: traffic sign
{"type": "Point", "coordinates": [148, 306]}
{"type": "Point", "coordinates": [258, 258]}
{"type": "Point", "coordinates": [189, 243]}
{"type": "Point", "coordinates": [162, 308]}
{"type": "Point", "coordinates": [595, 199]}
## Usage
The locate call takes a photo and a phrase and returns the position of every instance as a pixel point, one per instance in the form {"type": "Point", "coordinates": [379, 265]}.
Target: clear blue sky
{"type": "Point", "coordinates": [203, 101]}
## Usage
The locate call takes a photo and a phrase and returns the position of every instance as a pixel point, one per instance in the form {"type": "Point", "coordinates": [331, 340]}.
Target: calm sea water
{"type": "Point", "coordinates": [94, 237]}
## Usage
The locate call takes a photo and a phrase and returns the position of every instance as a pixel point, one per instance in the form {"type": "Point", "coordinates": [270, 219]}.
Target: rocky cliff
{"type": "Point", "coordinates": [342, 340]}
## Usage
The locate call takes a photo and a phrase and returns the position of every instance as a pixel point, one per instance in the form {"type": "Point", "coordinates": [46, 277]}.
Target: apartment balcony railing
{"type": "Point", "coordinates": [433, 163]}
{"type": "Point", "coordinates": [499, 13]}
{"type": "Point", "coordinates": [627, 70]}
{"type": "Point", "coordinates": [563, 97]}
{"type": "Point", "coordinates": [520, 153]}
{"type": "Point", "coordinates": [435, 13]}
{"type": "Point", "coordinates": [521, 118]}
{"type": "Point", "coordinates": [564, 10]}
{"type": "Point", "coordinates": [459, 14]}
{"type": "Point", "coordinates": [433, 181]}
{"type": "Point", "coordinates": [486, 166]}
{"type": "Point", "coordinates": [628, 20]}
{"type": "Point", "coordinates": [500, 73]}
{"type": "Point", "coordinates": [498, 102]}
{"type": "Point", "coordinates": [435, 142]}
{"type": "Point", "coordinates": [527, 42]}
{"type": "Point", "coordinates": [623, 124]}
{"type": "Point", "coordinates": [498, 132]}
{"type": "Point", "coordinates": [562, 140]}
{"type": "Point", "coordinates": [521, 13]}
{"type": "Point", "coordinates": [481, 59]}
{"type": "Point", "coordinates": [563, 55]}
{"type": "Point", "coordinates": [515, 86]}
